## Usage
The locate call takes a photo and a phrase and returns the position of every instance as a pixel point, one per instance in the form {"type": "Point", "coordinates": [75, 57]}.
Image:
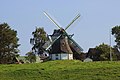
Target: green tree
{"type": "Point", "coordinates": [38, 40]}
{"type": "Point", "coordinates": [116, 33]}
{"type": "Point", "coordinates": [8, 43]}
{"type": "Point", "coordinates": [31, 57]}
{"type": "Point", "coordinates": [105, 52]}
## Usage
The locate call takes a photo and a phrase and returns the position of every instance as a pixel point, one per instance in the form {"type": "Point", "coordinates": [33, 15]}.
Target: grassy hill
{"type": "Point", "coordinates": [61, 70]}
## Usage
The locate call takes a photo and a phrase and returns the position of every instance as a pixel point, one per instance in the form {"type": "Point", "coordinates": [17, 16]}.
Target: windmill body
{"type": "Point", "coordinates": [62, 45]}
{"type": "Point", "coordinates": [60, 49]}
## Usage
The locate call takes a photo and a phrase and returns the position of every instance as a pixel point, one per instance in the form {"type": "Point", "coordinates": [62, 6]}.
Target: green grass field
{"type": "Point", "coordinates": [61, 70]}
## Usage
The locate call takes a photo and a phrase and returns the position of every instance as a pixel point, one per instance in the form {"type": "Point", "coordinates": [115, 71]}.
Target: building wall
{"type": "Point", "coordinates": [70, 56]}
{"type": "Point", "coordinates": [55, 56]}
{"type": "Point", "coordinates": [64, 56]}
{"type": "Point", "coordinates": [61, 56]}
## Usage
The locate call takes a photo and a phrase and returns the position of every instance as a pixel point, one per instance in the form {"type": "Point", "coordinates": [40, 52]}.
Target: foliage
{"type": "Point", "coordinates": [38, 40]}
{"type": "Point", "coordinates": [61, 70]}
{"type": "Point", "coordinates": [105, 52]}
{"type": "Point", "coordinates": [31, 57]}
{"type": "Point", "coordinates": [116, 33]}
{"type": "Point", "coordinates": [8, 43]}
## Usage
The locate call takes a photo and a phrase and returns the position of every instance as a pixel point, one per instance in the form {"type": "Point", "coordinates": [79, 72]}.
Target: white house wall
{"type": "Point", "coordinates": [70, 56]}
{"type": "Point", "coordinates": [61, 56]}
{"type": "Point", "coordinates": [64, 56]}
{"type": "Point", "coordinates": [54, 57]}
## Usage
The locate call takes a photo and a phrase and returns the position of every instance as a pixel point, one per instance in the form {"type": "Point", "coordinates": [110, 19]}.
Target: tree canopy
{"type": "Point", "coordinates": [38, 40]}
{"type": "Point", "coordinates": [105, 52]}
{"type": "Point", "coordinates": [8, 43]}
{"type": "Point", "coordinates": [31, 57]}
{"type": "Point", "coordinates": [116, 33]}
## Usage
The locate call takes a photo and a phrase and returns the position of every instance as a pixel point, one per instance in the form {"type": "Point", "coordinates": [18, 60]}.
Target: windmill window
{"type": "Point", "coordinates": [63, 44]}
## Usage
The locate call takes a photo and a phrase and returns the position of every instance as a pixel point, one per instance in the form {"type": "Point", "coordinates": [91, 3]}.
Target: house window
{"type": "Point", "coordinates": [56, 58]}
{"type": "Point", "coordinates": [56, 54]}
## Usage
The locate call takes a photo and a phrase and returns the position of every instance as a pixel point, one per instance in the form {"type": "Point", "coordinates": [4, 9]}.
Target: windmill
{"type": "Point", "coordinates": [62, 45]}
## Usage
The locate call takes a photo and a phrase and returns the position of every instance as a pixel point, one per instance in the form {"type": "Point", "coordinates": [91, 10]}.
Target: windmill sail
{"type": "Point", "coordinates": [46, 14]}
{"type": "Point", "coordinates": [53, 42]}
{"type": "Point", "coordinates": [72, 21]}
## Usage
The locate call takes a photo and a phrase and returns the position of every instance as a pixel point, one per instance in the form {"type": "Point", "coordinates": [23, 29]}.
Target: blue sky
{"type": "Point", "coordinates": [92, 29]}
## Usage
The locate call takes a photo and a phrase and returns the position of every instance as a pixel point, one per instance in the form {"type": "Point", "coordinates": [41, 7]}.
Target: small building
{"type": "Point", "coordinates": [88, 60]}
{"type": "Point", "coordinates": [94, 54]}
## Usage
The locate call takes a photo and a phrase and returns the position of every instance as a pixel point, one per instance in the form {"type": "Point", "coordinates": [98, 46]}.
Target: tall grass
{"type": "Point", "coordinates": [61, 70]}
